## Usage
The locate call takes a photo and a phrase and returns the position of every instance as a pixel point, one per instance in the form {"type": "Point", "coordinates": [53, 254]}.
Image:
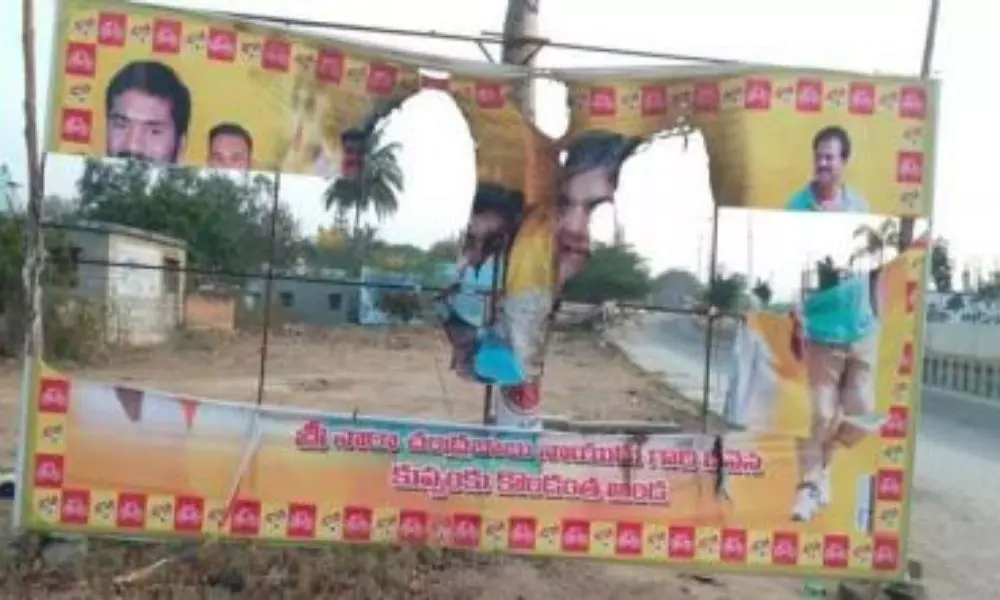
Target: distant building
{"type": "Point", "coordinates": [143, 304]}
{"type": "Point", "coordinates": [325, 297]}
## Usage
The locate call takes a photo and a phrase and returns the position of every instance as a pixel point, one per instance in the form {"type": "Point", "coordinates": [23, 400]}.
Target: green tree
{"type": "Point", "coordinates": [226, 222]}
{"type": "Point", "coordinates": [612, 273]}
{"type": "Point", "coordinates": [942, 266]}
{"type": "Point", "coordinates": [400, 304]}
{"type": "Point", "coordinates": [827, 273]}
{"type": "Point", "coordinates": [376, 188]}
{"type": "Point", "coordinates": [988, 287]}
{"type": "Point", "coordinates": [727, 291]}
{"type": "Point", "coordinates": [876, 241]}
{"type": "Point", "coordinates": [762, 290]}
{"type": "Point", "coordinates": [445, 250]}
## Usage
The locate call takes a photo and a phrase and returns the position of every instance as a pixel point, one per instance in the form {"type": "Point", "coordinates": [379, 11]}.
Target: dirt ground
{"type": "Point", "coordinates": [399, 373]}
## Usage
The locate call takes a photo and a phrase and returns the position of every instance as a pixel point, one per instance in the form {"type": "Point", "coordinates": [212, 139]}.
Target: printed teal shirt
{"type": "Point", "coordinates": [848, 201]}
{"type": "Point", "coordinates": [842, 314]}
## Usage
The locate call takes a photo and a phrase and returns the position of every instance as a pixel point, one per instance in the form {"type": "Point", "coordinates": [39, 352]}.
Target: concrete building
{"type": "Point", "coordinates": [143, 304]}
{"type": "Point", "coordinates": [310, 298]}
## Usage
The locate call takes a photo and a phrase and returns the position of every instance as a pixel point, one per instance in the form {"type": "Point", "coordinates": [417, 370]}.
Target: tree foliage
{"type": "Point", "coordinates": [827, 272]}
{"type": "Point", "coordinates": [400, 304]}
{"type": "Point", "coordinates": [876, 241]}
{"type": "Point", "coordinates": [614, 272]}
{"type": "Point", "coordinates": [377, 187]}
{"type": "Point", "coordinates": [762, 290]}
{"type": "Point", "coordinates": [727, 291]}
{"type": "Point", "coordinates": [225, 221]}
{"type": "Point", "coordinates": [942, 266]}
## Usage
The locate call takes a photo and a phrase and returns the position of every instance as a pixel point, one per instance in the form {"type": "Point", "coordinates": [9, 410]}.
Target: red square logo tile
{"type": "Point", "coordinates": [885, 553]}
{"type": "Point", "coordinates": [49, 470]}
{"type": "Point", "coordinates": [628, 539]}
{"type": "Point", "coordinates": [757, 95]}
{"type": "Point", "coordinates": [112, 29]}
{"type": "Point", "coordinates": [131, 513]}
{"type": "Point", "coordinates": [680, 542]}
{"type": "Point", "coordinates": [912, 289]}
{"type": "Point", "coordinates": [603, 101]}
{"type": "Point", "coordinates": [329, 65]}
{"type": "Point", "coordinates": [910, 167]}
{"type": "Point", "coordinates": [654, 100]}
{"type": "Point", "coordinates": [575, 536]}
{"type": "Point", "coordinates": [77, 126]}
{"type": "Point", "coordinates": [413, 527]}
{"type": "Point", "coordinates": [889, 485]}
{"type": "Point", "coordinates": [276, 56]}
{"type": "Point", "coordinates": [75, 507]}
{"type": "Point", "coordinates": [221, 45]}
{"type": "Point", "coordinates": [53, 394]}
{"type": "Point", "coordinates": [357, 524]}
{"type": "Point", "coordinates": [245, 517]}
{"type": "Point", "coordinates": [906, 360]}
{"type": "Point", "coordinates": [785, 548]}
{"type": "Point", "coordinates": [836, 551]}
{"type": "Point", "coordinates": [707, 97]}
{"type": "Point", "coordinates": [913, 103]}
{"type": "Point", "coordinates": [301, 520]}
{"type": "Point", "coordinates": [167, 36]}
{"type": "Point", "coordinates": [189, 514]}
{"type": "Point", "coordinates": [897, 426]}
{"type": "Point", "coordinates": [861, 99]}
{"type": "Point", "coordinates": [733, 546]}
{"type": "Point", "coordinates": [382, 79]}
{"type": "Point", "coordinates": [489, 95]}
{"type": "Point", "coordinates": [81, 59]}
{"type": "Point", "coordinates": [466, 530]}
{"type": "Point", "coordinates": [522, 533]}
{"type": "Point", "coordinates": [809, 95]}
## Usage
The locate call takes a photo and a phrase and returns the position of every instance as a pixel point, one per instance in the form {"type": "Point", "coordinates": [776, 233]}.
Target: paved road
{"type": "Point", "coordinates": [956, 510]}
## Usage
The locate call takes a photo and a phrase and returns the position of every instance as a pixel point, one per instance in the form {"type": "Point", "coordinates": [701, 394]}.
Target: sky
{"type": "Point", "coordinates": [664, 202]}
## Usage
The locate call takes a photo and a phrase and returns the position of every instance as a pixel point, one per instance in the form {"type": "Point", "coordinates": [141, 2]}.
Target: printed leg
{"type": "Point", "coordinates": [858, 391]}
{"type": "Point", "coordinates": [825, 365]}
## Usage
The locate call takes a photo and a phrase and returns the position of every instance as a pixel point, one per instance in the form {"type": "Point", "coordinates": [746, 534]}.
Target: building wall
{"type": "Point", "coordinates": [315, 303]}
{"type": "Point", "coordinates": [146, 305]}
{"type": "Point", "coordinates": [209, 311]}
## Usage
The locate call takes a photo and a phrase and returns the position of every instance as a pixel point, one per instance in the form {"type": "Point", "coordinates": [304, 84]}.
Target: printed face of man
{"type": "Point", "coordinates": [580, 195]}
{"type": "Point", "coordinates": [142, 126]}
{"type": "Point", "coordinates": [829, 162]}
{"type": "Point", "coordinates": [229, 151]}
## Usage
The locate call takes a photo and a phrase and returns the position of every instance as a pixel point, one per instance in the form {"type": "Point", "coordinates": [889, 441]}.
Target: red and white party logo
{"type": "Point", "coordinates": [757, 95]}
{"type": "Point", "coordinates": [910, 167]}
{"type": "Point", "coordinates": [653, 100]}
{"type": "Point", "coordinates": [897, 426]}
{"type": "Point", "coordinates": [49, 470]}
{"type": "Point", "coordinates": [167, 36]}
{"type": "Point", "coordinates": [889, 485]}
{"type": "Point", "coordinates": [575, 536]}
{"type": "Point", "coordinates": [522, 533]}
{"type": "Point", "coordinates": [707, 97]}
{"type": "Point", "coordinates": [913, 103]}
{"type": "Point", "coordinates": [885, 553]}
{"type": "Point", "coordinates": [276, 56]}
{"type": "Point", "coordinates": [809, 95]}
{"type": "Point", "coordinates": [603, 101]}
{"type": "Point", "coordinates": [466, 530]}
{"type": "Point", "coordinates": [221, 45]}
{"type": "Point", "coordinates": [301, 520]}
{"type": "Point", "coordinates": [329, 65]}
{"type": "Point", "coordinates": [680, 542]}
{"type": "Point", "coordinates": [836, 551]}
{"type": "Point", "coordinates": [413, 527]}
{"type": "Point", "coordinates": [111, 29]}
{"type": "Point", "coordinates": [489, 95]}
{"type": "Point", "coordinates": [733, 547]}
{"type": "Point", "coordinates": [81, 59]}
{"type": "Point", "coordinates": [785, 548]}
{"type": "Point", "coordinates": [131, 513]}
{"type": "Point", "coordinates": [861, 99]}
{"type": "Point", "coordinates": [245, 518]}
{"type": "Point", "coordinates": [628, 539]}
{"type": "Point", "coordinates": [53, 394]}
{"type": "Point", "coordinates": [357, 524]}
{"type": "Point", "coordinates": [75, 507]}
{"type": "Point", "coordinates": [189, 514]}
{"type": "Point", "coordinates": [381, 79]}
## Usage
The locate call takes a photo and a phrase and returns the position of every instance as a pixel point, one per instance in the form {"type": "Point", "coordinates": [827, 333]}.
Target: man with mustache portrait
{"type": "Point", "coordinates": [148, 111]}
{"type": "Point", "coordinates": [827, 192]}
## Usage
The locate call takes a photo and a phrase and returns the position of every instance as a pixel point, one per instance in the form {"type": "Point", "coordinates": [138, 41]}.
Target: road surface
{"type": "Point", "coordinates": [956, 511]}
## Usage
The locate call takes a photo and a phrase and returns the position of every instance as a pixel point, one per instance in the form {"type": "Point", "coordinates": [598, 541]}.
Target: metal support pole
{"type": "Point", "coordinates": [268, 290]}
{"type": "Point", "coordinates": [710, 328]}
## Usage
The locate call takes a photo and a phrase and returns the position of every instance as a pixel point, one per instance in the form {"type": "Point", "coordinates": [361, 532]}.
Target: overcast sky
{"type": "Point", "coordinates": [664, 201]}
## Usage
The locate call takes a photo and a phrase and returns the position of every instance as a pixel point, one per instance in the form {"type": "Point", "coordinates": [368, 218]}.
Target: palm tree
{"type": "Point", "coordinates": [875, 241]}
{"type": "Point", "coordinates": [377, 186]}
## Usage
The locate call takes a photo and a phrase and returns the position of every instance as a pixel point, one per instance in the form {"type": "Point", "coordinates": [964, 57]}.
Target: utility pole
{"type": "Point", "coordinates": [34, 242]}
